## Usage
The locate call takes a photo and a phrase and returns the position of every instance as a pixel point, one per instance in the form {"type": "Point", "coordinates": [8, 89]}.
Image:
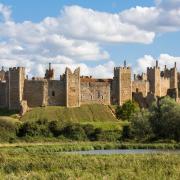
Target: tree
{"type": "Point", "coordinates": [140, 125]}
{"type": "Point", "coordinates": [126, 110]}
{"type": "Point", "coordinates": [165, 119]}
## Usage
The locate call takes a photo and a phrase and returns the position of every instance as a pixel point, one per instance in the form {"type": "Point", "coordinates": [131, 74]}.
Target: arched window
{"type": "Point", "coordinates": [53, 93]}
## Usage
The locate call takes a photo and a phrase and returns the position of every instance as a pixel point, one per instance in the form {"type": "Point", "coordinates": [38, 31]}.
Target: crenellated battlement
{"type": "Point", "coordinates": [16, 68]}
{"type": "Point", "coordinates": [72, 90]}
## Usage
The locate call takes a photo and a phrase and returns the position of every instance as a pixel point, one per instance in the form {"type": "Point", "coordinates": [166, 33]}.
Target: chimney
{"type": "Point", "coordinates": [124, 63]}
{"type": "Point", "coordinates": [175, 64]}
{"type": "Point", "coordinates": [49, 66]}
{"type": "Point", "coordinates": [156, 63]}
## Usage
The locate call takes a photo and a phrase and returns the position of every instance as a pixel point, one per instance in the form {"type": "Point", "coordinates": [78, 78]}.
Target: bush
{"type": "Point", "coordinates": [126, 133]}
{"type": "Point", "coordinates": [7, 130]}
{"type": "Point", "coordinates": [89, 130]}
{"type": "Point", "coordinates": [108, 136]}
{"type": "Point", "coordinates": [55, 128]}
{"type": "Point", "coordinates": [37, 128]}
{"type": "Point", "coordinates": [74, 132]}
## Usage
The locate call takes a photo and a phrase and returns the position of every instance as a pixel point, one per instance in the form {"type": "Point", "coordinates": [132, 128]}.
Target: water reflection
{"type": "Point", "coordinates": [125, 151]}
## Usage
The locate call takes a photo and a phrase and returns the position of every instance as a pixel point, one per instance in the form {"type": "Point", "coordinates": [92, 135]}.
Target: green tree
{"type": "Point", "coordinates": [140, 125]}
{"type": "Point", "coordinates": [126, 110]}
{"type": "Point", "coordinates": [165, 119]}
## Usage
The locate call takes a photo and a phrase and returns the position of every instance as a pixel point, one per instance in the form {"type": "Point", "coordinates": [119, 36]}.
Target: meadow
{"type": "Point", "coordinates": [42, 162]}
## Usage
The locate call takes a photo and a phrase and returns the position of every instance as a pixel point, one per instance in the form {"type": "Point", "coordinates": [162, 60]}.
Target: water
{"type": "Point", "coordinates": [124, 151]}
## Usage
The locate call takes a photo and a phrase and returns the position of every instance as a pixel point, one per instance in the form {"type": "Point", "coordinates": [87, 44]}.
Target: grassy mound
{"type": "Point", "coordinates": [85, 113]}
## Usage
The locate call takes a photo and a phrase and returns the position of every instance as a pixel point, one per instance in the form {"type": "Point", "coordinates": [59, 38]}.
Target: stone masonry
{"type": "Point", "coordinates": [73, 90]}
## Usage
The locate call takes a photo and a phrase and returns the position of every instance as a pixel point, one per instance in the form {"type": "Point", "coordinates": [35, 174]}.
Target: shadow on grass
{"type": "Point", "coordinates": [7, 112]}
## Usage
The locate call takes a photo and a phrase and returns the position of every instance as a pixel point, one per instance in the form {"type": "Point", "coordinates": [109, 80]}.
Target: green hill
{"type": "Point", "coordinates": [99, 116]}
{"type": "Point", "coordinates": [85, 113]}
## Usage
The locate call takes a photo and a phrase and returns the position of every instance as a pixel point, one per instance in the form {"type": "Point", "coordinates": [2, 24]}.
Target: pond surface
{"type": "Point", "coordinates": [125, 151]}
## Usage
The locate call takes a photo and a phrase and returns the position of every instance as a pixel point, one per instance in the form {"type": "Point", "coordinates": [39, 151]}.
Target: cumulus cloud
{"type": "Point", "coordinates": [159, 19]}
{"type": "Point", "coordinates": [78, 34]}
{"type": "Point", "coordinates": [150, 61]}
{"type": "Point", "coordinates": [100, 26]}
{"type": "Point", "coordinates": [5, 12]}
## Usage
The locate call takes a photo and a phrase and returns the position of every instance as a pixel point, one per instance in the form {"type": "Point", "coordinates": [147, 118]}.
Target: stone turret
{"type": "Point", "coordinates": [154, 78]}
{"type": "Point", "coordinates": [72, 87]}
{"type": "Point", "coordinates": [173, 77]}
{"type": "Point", "coordinates": [122, 85]}
{"type": "Point", "coordinates": [2, 74]}
{"type": "Point", "coordinates": [15, 87]}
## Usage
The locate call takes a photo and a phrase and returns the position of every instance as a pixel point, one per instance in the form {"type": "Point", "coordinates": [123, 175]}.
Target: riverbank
{"type": "Point", "coordinates": [80, 146]}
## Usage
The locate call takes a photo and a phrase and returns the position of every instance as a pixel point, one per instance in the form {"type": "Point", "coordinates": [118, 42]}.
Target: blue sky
{"type": "Point", "coordinates": [95, 35]}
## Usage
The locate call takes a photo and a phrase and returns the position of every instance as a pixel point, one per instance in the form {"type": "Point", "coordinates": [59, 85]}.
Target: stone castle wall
{"type": "Point", "coordinates": [56, 93]}
{"type": "Point", "coordinates": [72, 90]}
{"type": "Point", "coordinates": [165, 85]}
{"type": "Point", "coordinates": [36, 92]}
{"type": "Point", "coordinates": [3, 95]}
{"type": "Point", "coordinates": [95, 92]}
{"type": "Point", "coordinates": [141, 86]}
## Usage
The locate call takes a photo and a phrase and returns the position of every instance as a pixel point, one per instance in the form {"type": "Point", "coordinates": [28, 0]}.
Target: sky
{"type": "Point", "coordinates": [93, 35]}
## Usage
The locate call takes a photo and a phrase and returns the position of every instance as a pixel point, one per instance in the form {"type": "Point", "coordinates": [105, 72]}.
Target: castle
{"type": "Point", "coordinates": [17, 92]}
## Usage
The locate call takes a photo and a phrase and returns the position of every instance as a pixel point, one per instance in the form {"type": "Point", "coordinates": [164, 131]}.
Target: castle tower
{"type": "Point", "coordinates": [122, 85]}
{"type": "Point", "coordinates": [154, 78]}
{"type": "Point", "coordinates": [15, 87]}
{"type": "Point", "coordinates": [72, 87]}
{"type": "Point", "coordinates": [173, 77]}
{"type": "Point", "coordinates": [49, 73]}
{"type": "Point", "coordinates": [2, 74]}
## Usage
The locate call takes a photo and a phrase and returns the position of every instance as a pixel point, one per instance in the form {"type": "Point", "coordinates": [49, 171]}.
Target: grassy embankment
{"type": "Point", "coordinates": [99, 116]}
{"type": "Point", "coordinates": [45, 163]}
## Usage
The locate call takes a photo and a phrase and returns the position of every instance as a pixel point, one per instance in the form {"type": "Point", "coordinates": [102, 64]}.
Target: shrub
{"type": "Point", "coordinates": [126, 133]}
{"type": "Point", "coordinates": [109, 136]}
{"type": "Point", "coordinates": [7, 130]}
{"type": "Point", "coordinates": [54, 128]}
{"type": "Point", "coordinates": [74, 132]}
{"type": "Point", "coordinates": [37, 128]}
{"type": "Point", "coordinates": [89, 130]}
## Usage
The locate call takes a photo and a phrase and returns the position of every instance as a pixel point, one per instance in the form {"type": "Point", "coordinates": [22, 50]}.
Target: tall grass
{"type": "Point", "coordinates": [50, 165]}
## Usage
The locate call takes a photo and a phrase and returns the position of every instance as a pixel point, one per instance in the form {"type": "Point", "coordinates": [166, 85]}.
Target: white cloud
{"type": "Point", "coordinates": [150, 61]}
{"type": "Point", "coordinates": [100, 26]}
{"type": "Point", "coordinates": [78, 34]}
{"type": "Point", "coordinates": [162, 18]}
{"type": "Point", "coordinates": [5, 11]}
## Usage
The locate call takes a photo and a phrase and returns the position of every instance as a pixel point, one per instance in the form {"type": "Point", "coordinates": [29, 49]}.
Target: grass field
{"type": "Point", "coordinates": [85, 113]}
{"type": "Point", "coordinates": [41, 162]}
